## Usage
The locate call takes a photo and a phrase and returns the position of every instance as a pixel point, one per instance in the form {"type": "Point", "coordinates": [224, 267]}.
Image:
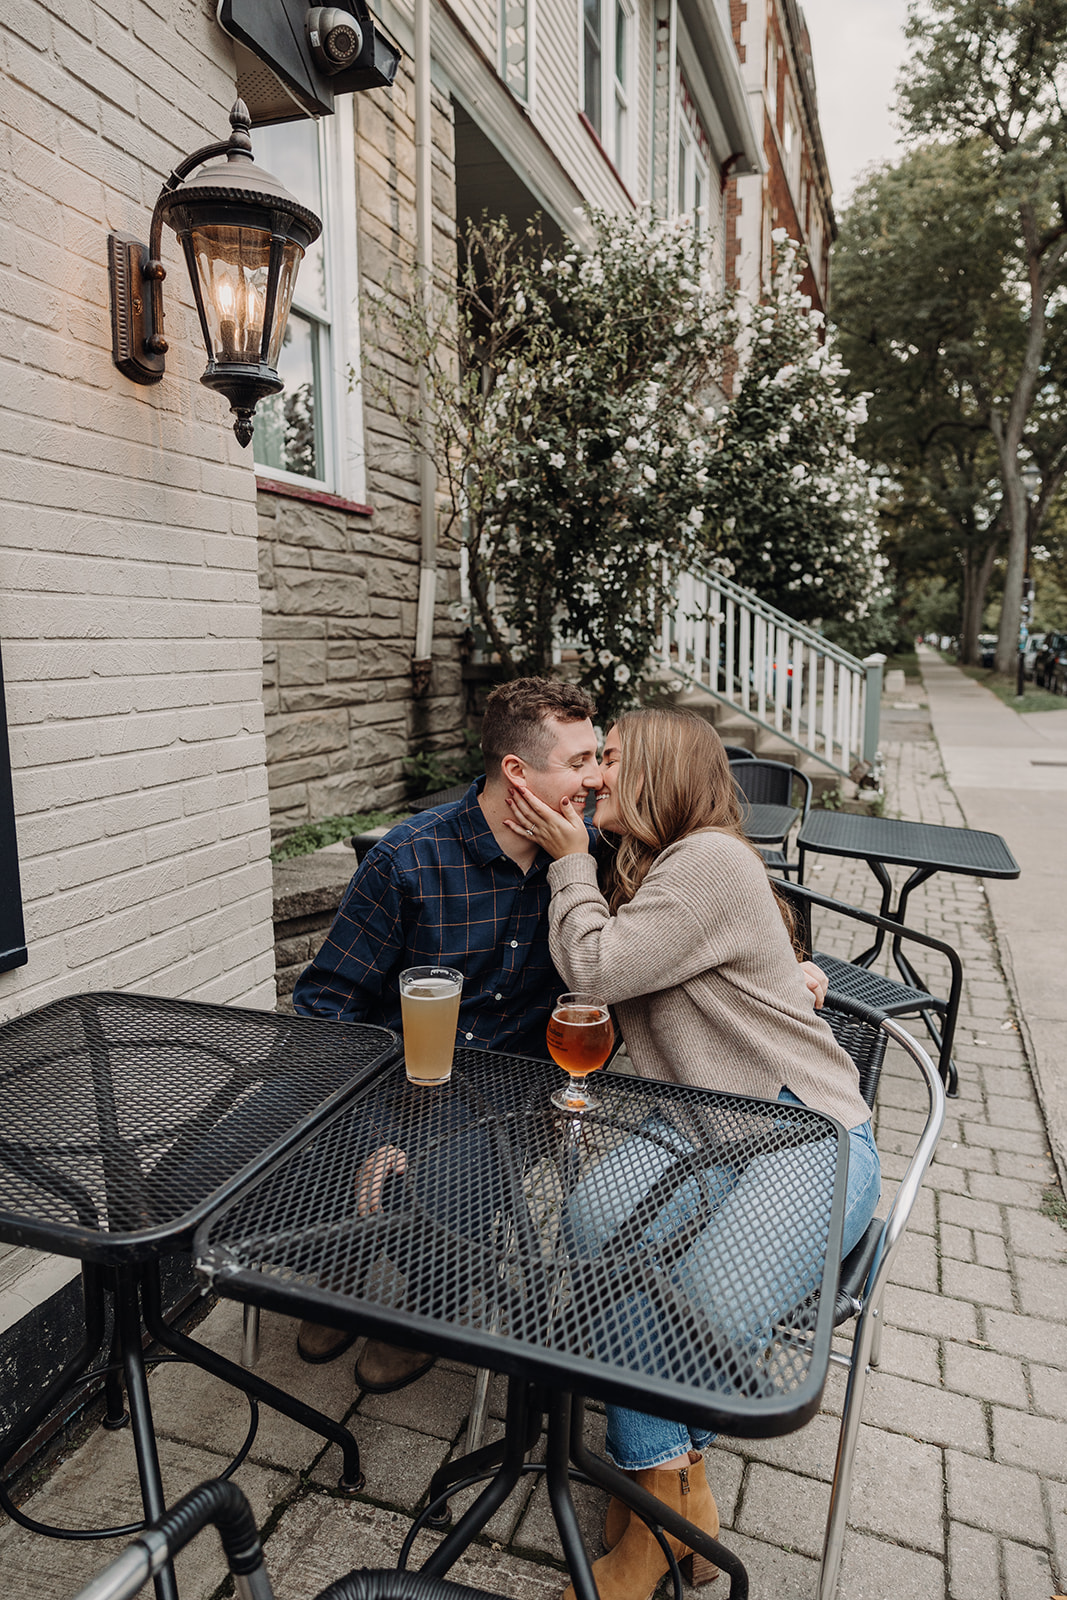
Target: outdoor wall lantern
{"type": "Point", "coordinates": [244, 237]}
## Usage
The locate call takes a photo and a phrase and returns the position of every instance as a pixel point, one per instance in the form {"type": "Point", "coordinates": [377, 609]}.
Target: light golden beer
{"type": "Point", "coordinates": [429, 1006]}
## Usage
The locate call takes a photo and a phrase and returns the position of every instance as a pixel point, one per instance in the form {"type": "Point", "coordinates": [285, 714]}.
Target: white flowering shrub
{"type": "Point", "coordinates": [791, 503]}
{"type": "Point", "coordinates": [578, 442]}
{"type": "Point", "coordinates": [590, 451]}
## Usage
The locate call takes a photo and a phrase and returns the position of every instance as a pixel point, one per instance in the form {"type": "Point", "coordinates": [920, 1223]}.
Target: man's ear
{"type": "Point", "coordinates": [513, 769]}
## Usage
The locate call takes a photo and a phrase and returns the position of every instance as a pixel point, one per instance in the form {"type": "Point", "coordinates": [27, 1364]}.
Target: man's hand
{"type": "Point", "coordinates": [816, 980]}
{"type": "Point", "coordinates": [561, 833]}
{"type": "Point", "coordinates": [373, 1173]}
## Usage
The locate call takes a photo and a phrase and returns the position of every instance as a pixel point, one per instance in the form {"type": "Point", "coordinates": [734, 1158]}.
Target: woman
{"type": "Point", "coordinates": [693, 953]}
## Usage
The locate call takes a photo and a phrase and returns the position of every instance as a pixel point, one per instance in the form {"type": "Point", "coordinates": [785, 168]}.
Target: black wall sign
{"type": "Point", "coordinates": [12, 931]}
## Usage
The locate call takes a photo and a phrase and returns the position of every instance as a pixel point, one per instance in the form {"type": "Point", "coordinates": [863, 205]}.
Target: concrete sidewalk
{"type": "Point", "coordinates": [960, 1490]}
{"type": "Point", "coordinates": [1009, 774]}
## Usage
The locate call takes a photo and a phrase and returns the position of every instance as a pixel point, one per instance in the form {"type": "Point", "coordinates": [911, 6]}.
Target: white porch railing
{"type": "Point", "coordinates": [775, 671]}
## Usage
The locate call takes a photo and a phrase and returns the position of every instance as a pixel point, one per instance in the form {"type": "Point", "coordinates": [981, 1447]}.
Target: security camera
{"type": "Point", "coordinates": [335, 37]}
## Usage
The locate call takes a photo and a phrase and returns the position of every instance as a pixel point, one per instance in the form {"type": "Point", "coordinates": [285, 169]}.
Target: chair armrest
{"type": "Point", "coordinates": [797, 892]}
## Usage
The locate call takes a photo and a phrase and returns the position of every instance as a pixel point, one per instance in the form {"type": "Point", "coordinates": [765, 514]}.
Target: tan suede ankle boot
{"type": "Point", "coordinates": [616, 1518]}
{"type": "Point", "coordinates": [633, 1568]}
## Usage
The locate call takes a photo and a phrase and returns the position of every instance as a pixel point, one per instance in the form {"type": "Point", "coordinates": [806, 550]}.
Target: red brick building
{"type": "Point", "coordinates": [795, 192]}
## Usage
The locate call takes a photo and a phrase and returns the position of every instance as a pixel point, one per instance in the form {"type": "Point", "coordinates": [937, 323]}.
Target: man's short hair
{"type": "Point", "coordinates": [515, 714]}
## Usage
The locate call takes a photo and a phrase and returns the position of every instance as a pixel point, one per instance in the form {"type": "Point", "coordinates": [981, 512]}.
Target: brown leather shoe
{"type": "Point", "coordinates": [381, 1368]}
{"type": "Point", "coordinates": [316, 1343]}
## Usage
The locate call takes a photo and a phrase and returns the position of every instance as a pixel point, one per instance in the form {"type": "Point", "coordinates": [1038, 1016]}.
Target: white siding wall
{"type": "Point", "coordinates": [129, 608]}
{"type": "Point", "coordinates": [557, 92]}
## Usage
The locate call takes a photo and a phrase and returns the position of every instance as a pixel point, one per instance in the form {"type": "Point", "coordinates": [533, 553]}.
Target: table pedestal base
{"type": "Point", "coordinates": [131, 1289]}
{"type": "Point", "coordinates": [566, 1458]}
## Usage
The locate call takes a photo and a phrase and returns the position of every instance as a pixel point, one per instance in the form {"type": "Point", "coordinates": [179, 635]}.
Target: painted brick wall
{"type": "Point", "coordinates": [129, 605]}
{"type": "Point", "coordinates": [340, 589]}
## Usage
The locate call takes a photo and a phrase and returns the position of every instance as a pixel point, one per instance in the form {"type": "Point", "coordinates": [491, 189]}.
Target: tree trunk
{"type": "Point", "coordinates": [976, 576]}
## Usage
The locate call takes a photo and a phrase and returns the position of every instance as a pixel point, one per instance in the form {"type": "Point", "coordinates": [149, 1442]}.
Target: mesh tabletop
{"type": "Point", "coordinates": [643, 1252]}
{"type": "Point", "coordinates": [125, 1115]}
{"type": "Point", "coordinates": [909, 844]}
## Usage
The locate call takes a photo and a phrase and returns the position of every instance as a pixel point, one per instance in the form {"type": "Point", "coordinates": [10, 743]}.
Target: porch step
{"type": "Point", "coordinates": [733, 727]}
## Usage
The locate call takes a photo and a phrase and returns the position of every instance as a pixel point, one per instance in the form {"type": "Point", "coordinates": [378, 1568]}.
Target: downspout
{"type": "Point", "coordinates": [422, 657]}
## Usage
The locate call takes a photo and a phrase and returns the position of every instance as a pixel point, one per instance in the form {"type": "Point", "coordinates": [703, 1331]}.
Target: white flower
{"type": "Point", "coordinates": [632, 443]}
{"type": "Point", "coordinates": [648, 472]}
{"type": "Point", "coordinates": [622, 673]}
{"type": "Point", "coordinates": [557, 459]}
{"type": "Point", "coordinates": [779, 236]}
{"type": "Point", "coordinates": [696, 516]}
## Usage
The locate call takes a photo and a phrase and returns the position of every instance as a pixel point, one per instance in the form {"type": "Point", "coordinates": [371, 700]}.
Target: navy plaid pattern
{"type": "Point", "coordinates": [438, 891]}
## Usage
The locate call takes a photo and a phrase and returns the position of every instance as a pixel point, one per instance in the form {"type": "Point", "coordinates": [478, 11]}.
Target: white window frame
{"type": "Point", "coordinates": [771, 76]}
{"type": "Point", "coordinates": [343, 467]}
{"type": "Point", "coordinates": [691, 165]}
{"type": "Point", "coordinates": [792, 142]}
{"type": "Point", "coordinates": [615, 94]}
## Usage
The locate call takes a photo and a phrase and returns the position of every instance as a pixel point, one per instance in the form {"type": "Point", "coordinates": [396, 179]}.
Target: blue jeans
{"type": "Point", "coordinates": [635, 1440]}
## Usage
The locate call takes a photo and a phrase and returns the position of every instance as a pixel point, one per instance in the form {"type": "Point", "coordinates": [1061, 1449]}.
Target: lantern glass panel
{"type": "Point", "coordinates": [233, 265]}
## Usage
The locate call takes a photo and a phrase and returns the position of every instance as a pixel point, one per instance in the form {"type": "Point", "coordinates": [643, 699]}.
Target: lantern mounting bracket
{"type": "Point", "coordinates": [138, 347]}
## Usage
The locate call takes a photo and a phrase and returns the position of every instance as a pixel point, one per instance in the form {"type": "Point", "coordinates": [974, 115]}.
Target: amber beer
{"type": "Point", "coordinates": [580, 1037]}
{"type": "Point", "coordinates": [429, 1008]}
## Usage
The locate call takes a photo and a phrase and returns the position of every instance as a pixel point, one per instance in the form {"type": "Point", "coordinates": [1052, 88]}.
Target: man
{"type": "Point", "coordinates": [455, 887]}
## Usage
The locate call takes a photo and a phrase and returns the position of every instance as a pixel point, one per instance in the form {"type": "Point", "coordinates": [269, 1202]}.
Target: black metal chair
{"type": "Point", "coordinates": [774, 783]}
{"type": "Point", "coordinates": [853, 981]}
{"type": "Point", "coordinates": [737, 752]}
{"type": "Point", "coordinates": [864, 1033]}
{"type": "Point", "coordinates": [223, 1504]}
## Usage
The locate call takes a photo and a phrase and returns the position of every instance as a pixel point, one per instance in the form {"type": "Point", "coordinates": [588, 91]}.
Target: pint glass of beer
{"type": "Point", "coordinates": [429, 1006]}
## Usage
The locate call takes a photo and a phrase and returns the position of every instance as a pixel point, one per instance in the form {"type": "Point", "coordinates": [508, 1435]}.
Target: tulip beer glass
{"type": "Point", "coordinates": [429, 1008]}
{"type": "Point", "coordinates": [580, 1037]}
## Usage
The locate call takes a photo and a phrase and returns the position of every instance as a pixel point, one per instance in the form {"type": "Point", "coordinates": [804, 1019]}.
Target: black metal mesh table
{"type": "Point", "coordinates": [926, 848]}
{"type": "Point", "coordinates": [644, 1252]}
{"type": "Point", "coordinates": [126, 1120]}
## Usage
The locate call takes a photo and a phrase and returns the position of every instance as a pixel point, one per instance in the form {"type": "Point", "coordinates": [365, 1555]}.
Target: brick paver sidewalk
{"type": "Point", "coordinates": [960, 1477]}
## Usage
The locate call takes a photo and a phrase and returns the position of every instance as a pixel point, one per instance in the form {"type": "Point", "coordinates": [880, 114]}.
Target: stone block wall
{"type": "Point", "coordinates": [339, 584]}
{"type": "Point", "coordinates": [129, 604]}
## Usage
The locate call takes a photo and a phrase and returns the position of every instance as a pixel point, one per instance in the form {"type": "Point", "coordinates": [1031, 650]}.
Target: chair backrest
{"type": "Point", "coordinates": [864, 1040]}
{"type": "Point", "coordinates": [736, 752]}
{"type": "Point", "coordinates": [770, 782]}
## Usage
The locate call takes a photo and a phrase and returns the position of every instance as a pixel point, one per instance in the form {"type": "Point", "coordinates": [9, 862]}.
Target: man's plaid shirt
{"type": "Point", "coordinates": [438, 891]}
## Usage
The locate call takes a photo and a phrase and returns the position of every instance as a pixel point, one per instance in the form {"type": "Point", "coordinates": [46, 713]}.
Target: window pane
{"type": "Point", "coordinates": [620, 44]}
{"type": "Point", "coordinates": [291, 153]}
{"type": "Point", "coordinates": [288, 424]}
{"type": "Point", "coordinates": [682, 154]}
{"type": "Point", "coordinates": [591, 32]}
{"type": "Point", "coordinates": [698, 202]}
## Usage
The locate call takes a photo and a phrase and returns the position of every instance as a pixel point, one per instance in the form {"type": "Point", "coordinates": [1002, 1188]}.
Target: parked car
{"type": "Point", "coordinates": [987, 649]}
{"type": "Point", "coordinates": [1034, 641]}
{"type": "Point", "coordinates": [1050, 666]}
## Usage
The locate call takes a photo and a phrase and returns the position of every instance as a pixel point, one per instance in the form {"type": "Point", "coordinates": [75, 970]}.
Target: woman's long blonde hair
{"type": "Point", "coordinates": [674, 779]}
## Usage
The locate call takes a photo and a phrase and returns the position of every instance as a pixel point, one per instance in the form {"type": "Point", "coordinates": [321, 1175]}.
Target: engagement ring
{"type": "Point", "coordinates": [530, 832]}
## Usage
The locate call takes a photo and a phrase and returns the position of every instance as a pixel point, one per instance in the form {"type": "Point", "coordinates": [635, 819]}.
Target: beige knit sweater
{"type": "Point", "coordinates": [702, 975]}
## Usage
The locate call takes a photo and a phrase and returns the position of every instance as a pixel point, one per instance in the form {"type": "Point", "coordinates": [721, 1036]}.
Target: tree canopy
{"type": "Point", "coordinates": [991, 75]}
